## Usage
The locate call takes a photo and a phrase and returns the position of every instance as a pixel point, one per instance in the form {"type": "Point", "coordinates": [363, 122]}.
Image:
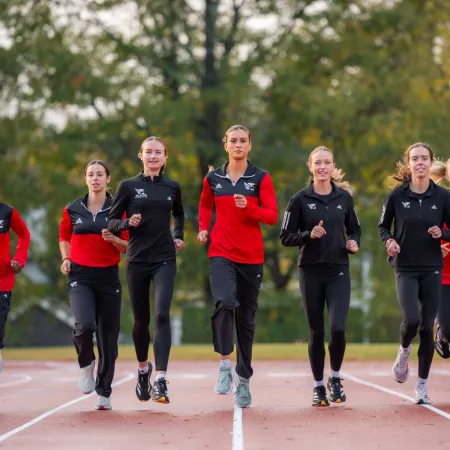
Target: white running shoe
{"type": "Point", "coordinates": [103, 403]}
{"type": "Point", "coordinates": [421, 395]}
{"type": "Point", "coordinates": [86, 382]}
{"type": "Point", "coordinates": [1, 362]}
{"type": "Point", "coordinates": [400, 368]}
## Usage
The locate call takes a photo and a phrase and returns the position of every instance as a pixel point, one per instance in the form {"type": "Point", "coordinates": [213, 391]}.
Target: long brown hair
{"type": "Point", "coordinates": [157, 139]}
{"type": "Point", "coordinates": [403, 172]}
{"type": "Point", "coordinates": [337, 176]}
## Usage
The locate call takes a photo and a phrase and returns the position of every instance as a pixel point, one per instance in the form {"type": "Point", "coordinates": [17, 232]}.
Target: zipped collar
{"type": "Point", "coordinates": [107, 205]}
{"type": "Point", "coordinates": [430, 192]}
{"type": "Point", "coordinates": [249, 173]}
{"type": "Point", "coordinates": [156, 178]}
{"type": "Point", "coordinates": [335, 192]}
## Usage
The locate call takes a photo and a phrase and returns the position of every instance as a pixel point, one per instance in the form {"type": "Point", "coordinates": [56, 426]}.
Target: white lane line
{"type": "Point", "coordinates": [238, 432]}
{"type": "Point", "coordinates": [24, 379]}
{"type": "Point", "coordinates": [38, 419]}
{"type": "Point", "coordinates": [392, 392]}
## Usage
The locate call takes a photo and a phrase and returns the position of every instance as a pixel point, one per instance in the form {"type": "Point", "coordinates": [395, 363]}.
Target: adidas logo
{"type": "Point", "coordinates": [342, 273]}
{"type": "Point", "coordinates": [78, 221]}
{"type": "Point", "coordinates": [433, 207]}
{"type": "Point", "coordinates": [169, 198]}
{"type": "Point", "coordinates": [1, 223]}
{"type": "Point", "coordinates": [140, 193]}
{"type": "Point", "coordinates": [405, 204]}
{"type": "Point", "coordinates": [117, 290]}
{"type": "Point", "coordinates": [218, 186]}
{"type": "Point", "coordinates": [5, 295]}
{"type": "Point", "coordinates": [339, 207]}
{"type": "Point", "coordinates": [312, 205]}
{"type": "Point", "coordinates": [258, 276]}
{"type": "Point", "coordinates": [437, 272]}
{"type": "Point", "coordinates": [73, 284]}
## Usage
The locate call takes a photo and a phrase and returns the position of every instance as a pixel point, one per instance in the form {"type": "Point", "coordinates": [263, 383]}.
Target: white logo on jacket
{"type": "Point", "coordinates": [140, 193]}
{"type": "Point", "coordinates": [78, 221]}
{"type": "Point", "coordinates": [218, 186]}
{"type": "Point", "coordinates": [433, 207]}
{"type": "Point", "coordinates": [405, 204]}
{"type": "Point", "coordinates": [312, 205]}
{"type": "Point", "coordinates": [1, 223]}
{"type": "Point", "coordinates": [169, 198]}
{"type": "Point", "coordinates": [249, 186]}
{"type": "Point", "coordinates": [339, 207]}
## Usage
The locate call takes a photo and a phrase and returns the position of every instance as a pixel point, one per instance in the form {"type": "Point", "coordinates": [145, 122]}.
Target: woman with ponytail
{"type": "Point", "coordinates": [321, 220]}
{"type": "Point", "coordinates": [149, 200]}
{"type": "Point", "coordinates": [419, 208]}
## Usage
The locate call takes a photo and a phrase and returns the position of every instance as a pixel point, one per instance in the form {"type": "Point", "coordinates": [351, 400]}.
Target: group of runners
{"type": "Point", "coordinates": [320, 220]}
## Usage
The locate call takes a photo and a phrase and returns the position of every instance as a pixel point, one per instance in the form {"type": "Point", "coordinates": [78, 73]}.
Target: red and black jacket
{"type": "Point", "coordinates": [236, 234]}
{"type": "Point", "coordinates": [10, 220]}
{"type": "Point", "coordinates": [84, 232]}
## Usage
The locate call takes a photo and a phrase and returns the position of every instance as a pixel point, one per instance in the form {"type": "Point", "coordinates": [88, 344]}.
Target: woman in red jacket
{"type": "Point", "coordinates": [244, 197]}
{"type": "Point", "coordinates": [10, 220]}
{"type": "Point", "coordinates": [90, 256]}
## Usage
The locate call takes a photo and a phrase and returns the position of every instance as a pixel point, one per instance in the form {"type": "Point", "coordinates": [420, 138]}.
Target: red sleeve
{"type": "Point", "coordinates": [206, 206]}
{"type": "Point", "coordinates": [23, 242]}
{"type": "Point", "coordinates": [268, 211]}
{"type": "Point", "coordinates": [124, 235]}
{"type": "Point", "coordinates": [65, 227]}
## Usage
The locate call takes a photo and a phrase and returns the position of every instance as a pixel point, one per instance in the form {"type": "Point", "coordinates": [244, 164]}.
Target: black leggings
{"type": "Point", "coordinates": [320, 284]}
{"type": "Point", "coordinates": [139, 277]}
{"type": "Point", "coordinates": [444, 313]}
{"type": "Point", "coordinates": [418, 294]}
{"type": "Point", "coordinates": [5, 306]}
{"type": "Point", "coordinates": [95, 296]}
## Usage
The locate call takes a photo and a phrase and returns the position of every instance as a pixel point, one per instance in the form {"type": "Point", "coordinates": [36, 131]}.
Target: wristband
{"type": "Point", "coordinates": [65, 259]}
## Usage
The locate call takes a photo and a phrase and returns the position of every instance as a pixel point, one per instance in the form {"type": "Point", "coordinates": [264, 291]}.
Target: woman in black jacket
{"type": "Point", "coordinates": [322, 222]}
{"type": "Point", "coordinates": [419, 208]}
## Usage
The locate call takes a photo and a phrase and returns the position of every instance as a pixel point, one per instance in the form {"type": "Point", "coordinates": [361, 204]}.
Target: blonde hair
{"type": "Point", "coordinates": [157, 139]}
{"type": "Point", "coordinates": [237, 127]}
{"type": "Point", "coordinates": [337, 175]}
{"type": "Point", "coordinates": [403, 172]}
{"type": "Point", "coordinates": [438, 171]}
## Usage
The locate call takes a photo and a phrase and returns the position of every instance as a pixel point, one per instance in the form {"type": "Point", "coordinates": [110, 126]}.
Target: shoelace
{"type": "Point", "coordinates": [161, 386]}
{"type": "Point", "coordinates": [242, 390]}
{"type": "Point", "coordinates": [403, 361]}
{"type": "Point", "coordinates": [224, 375]}
{"type": "Point", "coordinates": [336, 384]}
{"type": "Point", "coordinates": [85, 372]}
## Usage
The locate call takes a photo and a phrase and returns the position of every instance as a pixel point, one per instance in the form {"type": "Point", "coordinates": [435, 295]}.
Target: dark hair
{"type": "Point", "coordinates": [157, 139]}
{"type": "Point", "coordinates": [237, 127]}
{"type": "Point", "coordinates": [100, 163]}
{"type": "Point", "coordinates": [337, 175]}
{"type": "Point", "coordinates": [403, 171]}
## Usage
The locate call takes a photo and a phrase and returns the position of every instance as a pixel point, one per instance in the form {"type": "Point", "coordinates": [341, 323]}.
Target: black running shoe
{"type": "Point", "coordinates": [159, 391]}
{"type": "Point", "coordinates": [143, 386]}
{"type": "Point", "coordinates": [442, 347]}
{"type": "Point", "coordinates": [320, 396]}
{"type": "Point", "coordinates": [336, 390]}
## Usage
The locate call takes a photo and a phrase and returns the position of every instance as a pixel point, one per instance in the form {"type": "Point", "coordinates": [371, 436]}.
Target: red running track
{"type": "Point", "coordinates": [41, 408]}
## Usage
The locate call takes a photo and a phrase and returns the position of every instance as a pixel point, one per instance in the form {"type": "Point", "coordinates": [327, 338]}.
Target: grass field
{"type": "Point", "coordinates": [262, 352]}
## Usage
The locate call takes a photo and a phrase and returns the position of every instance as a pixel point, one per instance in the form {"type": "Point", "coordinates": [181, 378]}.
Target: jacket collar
{"type": "Point", "coordinates": [107, 205]}
{"type": "Point", "coordinates": [335, 191]}
{"type": "Point", "coordinates": [405, 187]}
{"type": "Point", "coordinates": [156, 178]}
{"type": "Point", "coordinates": [250, 171]}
